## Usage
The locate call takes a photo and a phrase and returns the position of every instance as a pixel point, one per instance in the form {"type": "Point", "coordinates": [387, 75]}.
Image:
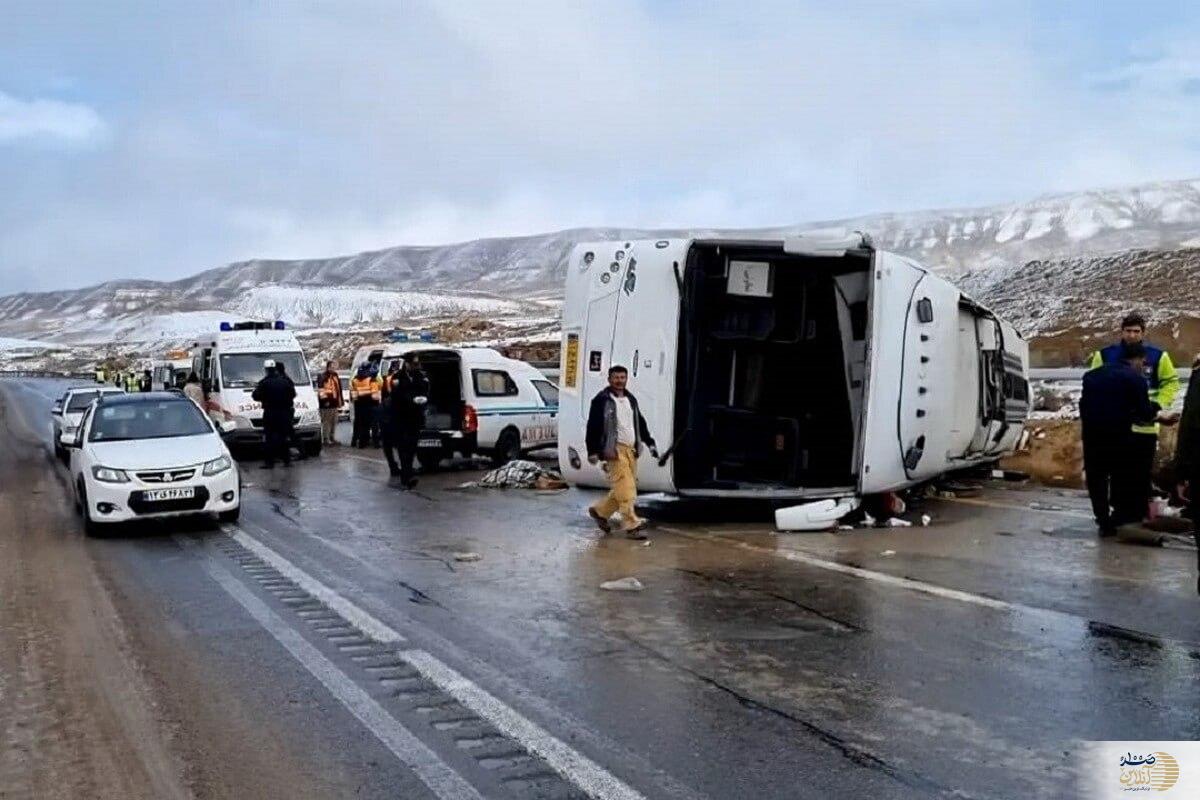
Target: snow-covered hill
{"type": "Point", "coordinates": [321, 306]}
{"type": "Point", "coordinates": [505, 276]}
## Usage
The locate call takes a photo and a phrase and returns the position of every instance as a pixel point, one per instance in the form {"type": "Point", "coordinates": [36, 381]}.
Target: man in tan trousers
{"type": "Point", "coordinates": [616, 431]}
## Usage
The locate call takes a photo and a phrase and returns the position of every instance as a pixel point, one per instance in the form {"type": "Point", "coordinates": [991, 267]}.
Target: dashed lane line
{"type": "Point", "coordinates": [443, 781]}
{"type": "Point", "coordinates": [588, 776]}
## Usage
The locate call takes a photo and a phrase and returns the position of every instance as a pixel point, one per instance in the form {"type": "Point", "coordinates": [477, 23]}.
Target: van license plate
{"type": "Point", "coordinates": [429, 443]}
{"type": "Point", "coordinates": [152, 495]}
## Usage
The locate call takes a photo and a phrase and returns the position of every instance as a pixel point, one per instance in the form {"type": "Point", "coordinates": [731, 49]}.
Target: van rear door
{"type": "Point", "coordinates": [646, 341]}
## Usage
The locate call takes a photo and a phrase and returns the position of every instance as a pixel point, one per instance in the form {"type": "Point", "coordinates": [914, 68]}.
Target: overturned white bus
{"type": "Point", "coordinates": [813, 367]}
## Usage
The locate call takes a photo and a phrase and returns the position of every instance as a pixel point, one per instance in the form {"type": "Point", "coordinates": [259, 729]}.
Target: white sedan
{"type": "Point", "coordinates": [148, 455]}
{"type": "Point", "coordinates": [68, 411]}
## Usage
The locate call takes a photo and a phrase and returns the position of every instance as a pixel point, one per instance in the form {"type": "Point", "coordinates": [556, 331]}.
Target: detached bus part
{"type": "Point", "coordinates": [808, 368]}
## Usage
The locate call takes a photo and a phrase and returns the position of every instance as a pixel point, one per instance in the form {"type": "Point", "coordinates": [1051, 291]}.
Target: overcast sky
{"type": "Point", "coordinates": [159, 139]}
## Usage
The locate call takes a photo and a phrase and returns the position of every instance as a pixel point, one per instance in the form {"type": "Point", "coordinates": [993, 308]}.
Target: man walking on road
{"type": "Point", "coordinates": [329, 400]}
{"type": "Point", "coordinates": [277, 394]}
{"type": "Point", "coordinates": [616, 431]}
{"type": "Point", "coordinates": [1163, 386]}
{"type": "Point", "coordinates": [1187, 456]}
{"type": "Point", "coordinates": [1114, 401]}
{"type": "Point", "coordinates": [408, 392]}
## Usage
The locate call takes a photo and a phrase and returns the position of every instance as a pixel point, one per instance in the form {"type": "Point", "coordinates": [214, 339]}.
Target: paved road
{"type": "Point", "coordinates": [330, 645]}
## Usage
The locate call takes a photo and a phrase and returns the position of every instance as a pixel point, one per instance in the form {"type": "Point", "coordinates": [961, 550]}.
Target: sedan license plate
{"type": "Point", "coordinates": [429, 443]}
{"type": "Point", "coordinates": [153, 495]}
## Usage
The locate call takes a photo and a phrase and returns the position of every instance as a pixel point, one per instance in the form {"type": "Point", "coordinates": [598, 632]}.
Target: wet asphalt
{"type": "Point", "coordinates": [970, 658]}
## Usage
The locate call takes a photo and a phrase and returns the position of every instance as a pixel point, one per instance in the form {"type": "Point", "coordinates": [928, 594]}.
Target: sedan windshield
{"type": "Point", "coordinates": [245, 370]}
{"type": "Point", "coordinates": [151, 419]}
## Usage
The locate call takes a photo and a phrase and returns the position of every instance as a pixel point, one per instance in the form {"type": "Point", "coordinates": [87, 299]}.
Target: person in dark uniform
{"type": "Point", "coordinates": [1187, 456]}
{"type": "Point", "coordinates": [292, 440]}
{"type": "Point", "coordinates": [1114, 400]}
{"type": "Point", "coordinates": [407, 396]}
{"type": "Point", "coordinates": [387, 432]}
{"type": "Point", "coordinates": [277, 394]}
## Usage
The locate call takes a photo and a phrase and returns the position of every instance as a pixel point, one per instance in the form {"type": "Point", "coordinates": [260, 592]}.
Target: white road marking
{"type": "Point", "coordinates": [347, 610]}
{"type": "Point", "coordinates": [364, 458]}
{"type": "Point", "coordinates": [1061, 512]}
{"type": "Point", "coordinates": [859, 572]}
{"type": "Point", "coordinates": [585, 774]}
{"type": "Point", "coordinates": [588, 776]}
{"type": "Point", "coordinates": [443, 781]}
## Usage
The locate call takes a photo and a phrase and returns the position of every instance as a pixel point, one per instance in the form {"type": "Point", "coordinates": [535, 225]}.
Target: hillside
{"type": "Point", "coordinates": [507, 277]}
{"type": "Point", "coordinates": [1068, 306]}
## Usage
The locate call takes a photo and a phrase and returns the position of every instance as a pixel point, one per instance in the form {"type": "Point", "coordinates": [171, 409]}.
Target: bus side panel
{"type": "Point", "coordinates": [646, 342]}
{"type": "Point", "coordinates": [931, 386]}
{"type": "Point", "coordinates": [892, 290]}
{"type": "Point", "coordinates": [589, 318]}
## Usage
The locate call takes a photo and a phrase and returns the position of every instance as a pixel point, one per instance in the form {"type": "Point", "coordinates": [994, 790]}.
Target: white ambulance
{"type": "Point", "coordinates": [812, 367]}
{"type": "Point", "coordinates": [230, 365]}
{"type": "Point", "coordinates": [479, 401]}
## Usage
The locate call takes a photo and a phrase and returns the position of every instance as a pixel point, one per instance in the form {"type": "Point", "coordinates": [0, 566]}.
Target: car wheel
{"type": "Point", "coordinates": [90, 526]}
{"type": "Point", "coordinates": [508, 448]}
{"type": "Point", "coordinates": [231, 516]}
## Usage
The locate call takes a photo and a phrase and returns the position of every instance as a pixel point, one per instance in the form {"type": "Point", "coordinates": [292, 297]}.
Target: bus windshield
{"type": "Point", "coordinates": [245, 370]}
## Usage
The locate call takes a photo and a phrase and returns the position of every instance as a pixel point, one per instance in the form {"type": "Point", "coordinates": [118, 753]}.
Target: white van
{"type": "Point", "coordinates": [479, 402]}
{"type": "Point", "coordinates": [230, 365]}
{"type": "Point", "coordinates": [804, 368]}
{"type": "Point", "coordinates": [171, 372]}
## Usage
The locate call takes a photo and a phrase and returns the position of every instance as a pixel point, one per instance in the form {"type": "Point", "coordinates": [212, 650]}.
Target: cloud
{"type": "Point", "coordinates": [302, 130]}
{"type": "Point", "coordinates": [54, 120]}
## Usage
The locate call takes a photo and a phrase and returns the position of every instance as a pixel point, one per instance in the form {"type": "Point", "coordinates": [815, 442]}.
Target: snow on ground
{"type": "Point", "coordinates": [169, 329]}
{"type": "Point", "coordinates": [323, 306]}
{"type": "Point", "coordinates": [25, 344]}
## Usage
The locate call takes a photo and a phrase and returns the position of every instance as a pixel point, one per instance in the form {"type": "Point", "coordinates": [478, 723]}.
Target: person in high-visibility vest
{"type": "Point", "coordinates": [1162, 383]}
{"type": "Point", "coordinates": [365, 391]}
{"type": "Point", "coordinates": [100, 375]}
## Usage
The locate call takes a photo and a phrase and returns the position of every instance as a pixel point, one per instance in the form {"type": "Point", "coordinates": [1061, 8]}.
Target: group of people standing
{"type": "Point", "coordinates": [1128, 393]}
{"type": "Point", "coordinates": [388, 410]}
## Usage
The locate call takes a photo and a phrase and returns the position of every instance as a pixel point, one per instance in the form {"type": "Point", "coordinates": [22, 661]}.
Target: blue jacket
{"type": "Point", "coordinates": [1112, 355]}
{"type": "Point", "coordinates": [1114, 399]}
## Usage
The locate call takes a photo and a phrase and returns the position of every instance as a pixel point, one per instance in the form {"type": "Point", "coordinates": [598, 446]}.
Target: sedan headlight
{"type": "Point", "coordinates": [109, 475]}
{"type": "Point", "coordinates": [217, 465]}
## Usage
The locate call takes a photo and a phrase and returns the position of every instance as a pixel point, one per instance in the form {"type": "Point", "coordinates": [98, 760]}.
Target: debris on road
{"type": "Point", "coordinates": [896, 522]}
{"type": "Point", "coordinates": [821, 515]}
{"type": "Point", "coordinates": [623, 585]}
{"type": "Point", "coordinates": [925, 520]}
{"type": "Point", "coordinates": [1139, 534]}
{"type": "Point", "coordinates": [519, 475]}
{"type": "Point", "coordinates": [467, 557]}
{"type": "Point", "coordinates": [1039, 506]}
{"type": "Point", "coordinates": [888, 553]}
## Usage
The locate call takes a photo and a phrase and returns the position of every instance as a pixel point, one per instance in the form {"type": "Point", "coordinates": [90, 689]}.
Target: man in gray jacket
{"type": "Point", "coordinates": [616, 430]}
